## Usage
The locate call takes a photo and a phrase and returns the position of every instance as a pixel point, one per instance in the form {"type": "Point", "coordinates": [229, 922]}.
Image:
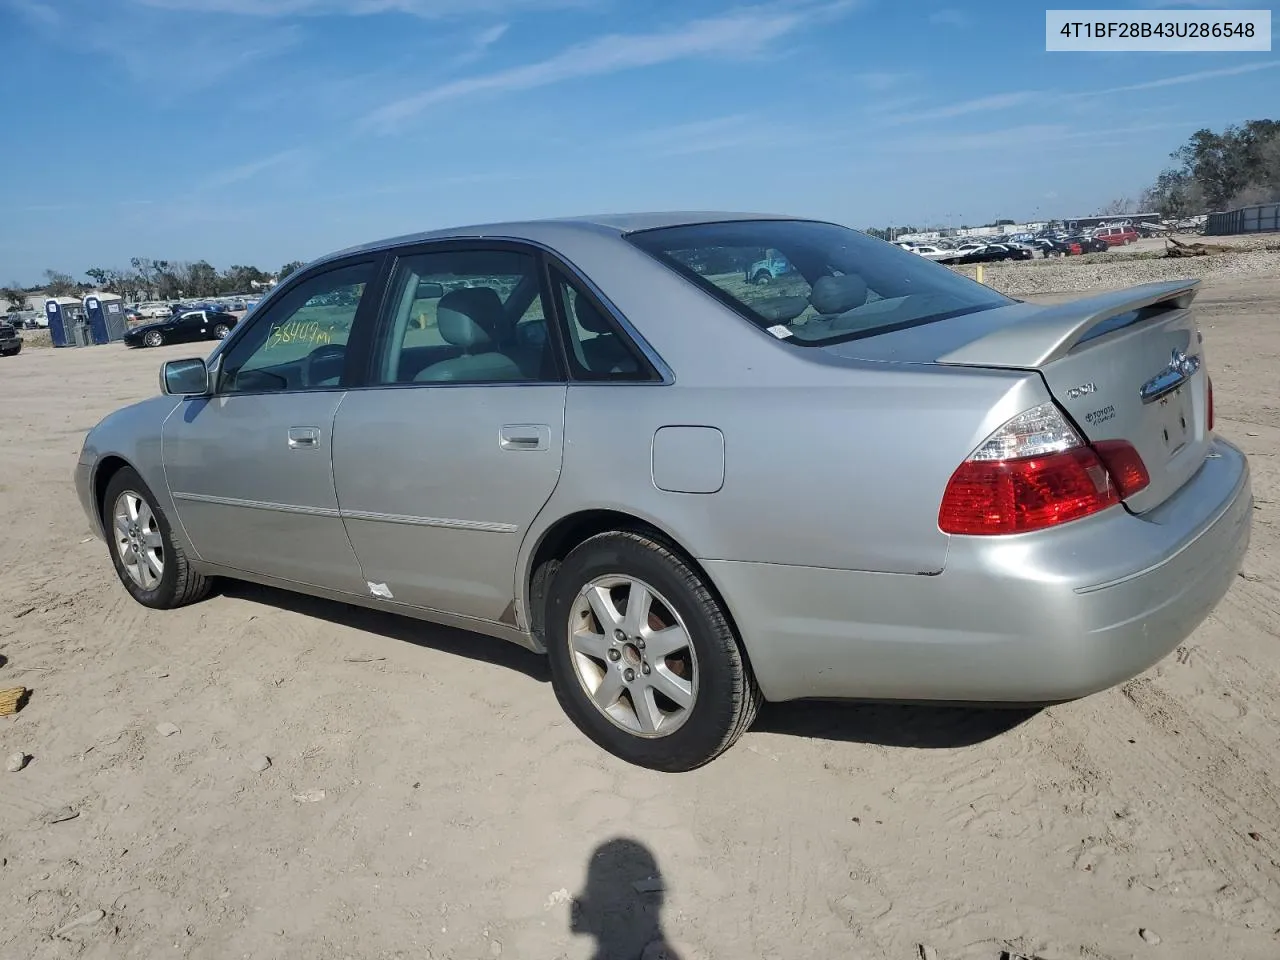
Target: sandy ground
{"type": "Point", "coordinates": [427, 799]}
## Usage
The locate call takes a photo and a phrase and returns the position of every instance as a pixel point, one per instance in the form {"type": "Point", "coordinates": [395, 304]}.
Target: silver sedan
{"type": "Point", "coordinates": [694, 487]}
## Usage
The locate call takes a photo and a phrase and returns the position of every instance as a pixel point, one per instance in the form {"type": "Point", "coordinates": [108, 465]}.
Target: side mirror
{"type": "Point", "coordinates": [185, 378]}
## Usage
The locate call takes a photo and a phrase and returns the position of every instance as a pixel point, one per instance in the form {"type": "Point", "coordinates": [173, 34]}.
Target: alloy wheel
{"type": "Point", "coordinates": [633, 656]}
{"type": "Point", "coordinates": [138, 540]}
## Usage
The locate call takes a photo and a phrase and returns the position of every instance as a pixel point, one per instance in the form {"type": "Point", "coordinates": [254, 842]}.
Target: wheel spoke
{"type": "Point", "coordinates": [143, 571]}
{"type": "Point", "coordinates": [153, 567]}
{"type": "Point", "coordinates": [145, 518]}
{"type": "Point", "coordinates": [602, 606]}
{"type": "Point", "coordinates": [152, 540]}
{"type": "Point", "coordinates": [592, 645]}
{"type": "Point", "coordinates": [639, 600]}
{"type": "Point", "coordinates": [647, 712]}
{"type": "Point", "coordinates": [676, 689]}
{"type": "Point", "coordinates": [610, 689]}
{"type": "Point", "coordinates": [663, 643]}
{"type": "Point", "coordinates": [131, 504]}
{"type": "Point", "coordinates": [122, 525]}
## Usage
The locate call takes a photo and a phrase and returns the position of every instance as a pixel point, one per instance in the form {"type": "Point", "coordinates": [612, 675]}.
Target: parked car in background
{"type": "Point", "coordinates": [183, 327]}
{"type": "Point", "coordinates": [10, 340]}
{"type": "Point", "coordinates": [1116, 236]}
{"type": "Point", "coordinates": [586, 449]}
{"type": "Point", "coordinates": [773, 265]}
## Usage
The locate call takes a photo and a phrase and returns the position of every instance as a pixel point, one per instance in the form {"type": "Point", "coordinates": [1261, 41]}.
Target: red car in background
{"type": "Point", "coordinates": [1116, 236]}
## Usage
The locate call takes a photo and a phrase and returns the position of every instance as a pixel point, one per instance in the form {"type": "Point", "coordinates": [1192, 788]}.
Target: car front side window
{"type": "Point", "coordinates": [300, 341]}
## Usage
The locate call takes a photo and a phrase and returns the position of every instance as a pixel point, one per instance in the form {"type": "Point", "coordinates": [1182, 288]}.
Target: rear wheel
{"type": "Point", "coordinates": [643, 659]}
{"type": "Point", "coordinates": [763, 278]}
{"type": "Point", "coordinates": [221, 330]}
{"type": "Point", "coordinates": [152, 567]}
{"type": "Point", "coordinates": [153, 338]}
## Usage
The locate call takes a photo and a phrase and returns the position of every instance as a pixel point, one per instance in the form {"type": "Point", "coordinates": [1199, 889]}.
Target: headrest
{"type": "Point", "coordinates": [469, 317]}
{"type": "Point", "coordinates": [780, 309]}
{"type": "Point", "coordinates": [832, 295]}
{"type": "Point", "coordinates": [588, 316]}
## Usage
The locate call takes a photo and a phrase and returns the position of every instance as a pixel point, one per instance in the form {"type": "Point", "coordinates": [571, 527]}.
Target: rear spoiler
{"type": "Point", "coordinates": [1050, 333]}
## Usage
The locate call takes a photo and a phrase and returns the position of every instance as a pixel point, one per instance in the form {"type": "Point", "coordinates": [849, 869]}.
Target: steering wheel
{"type": "Point", "coordinates": [319, 355]}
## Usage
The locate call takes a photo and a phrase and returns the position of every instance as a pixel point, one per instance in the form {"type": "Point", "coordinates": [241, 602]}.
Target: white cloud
{"type": "Point", "coordinates": [250, 170]}
{"type": "Point", "coordinates": [881, 80]}
{"type": "Point", "coordinates": [40, 15]}
{"type": "Point", "coordinates": [949, 17]}
{"type": "Point", "coordinates": [1018, 98]}
{"type": "Point", "coordinates": [435, 9]}
{"type": "Point", "coordinates": [742, 33]}
{"type": "Point", "coordinates": [995, 101]}
{"type": "Point", "coordinates": [1189, 78]}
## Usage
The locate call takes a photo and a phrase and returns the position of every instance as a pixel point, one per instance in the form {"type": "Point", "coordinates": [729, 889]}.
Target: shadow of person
{"type": "Point", "coordinates": [621, 904]}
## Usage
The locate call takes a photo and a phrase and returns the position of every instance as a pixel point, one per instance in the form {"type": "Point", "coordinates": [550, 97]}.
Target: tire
{"type": "Point", "coordinates": [763, 278]}
{"type": "Point", "coordinates": [220, 331]}
{"type": "Point", "coordinates": [723, 696]}
{"type": "Point", "coordinates": [153, 338]}
{"type": "Point", "coordinates": [177, 584]}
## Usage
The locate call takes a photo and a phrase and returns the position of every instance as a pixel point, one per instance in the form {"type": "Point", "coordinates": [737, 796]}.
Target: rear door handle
{"type": "Point", "coordinates": [304, 438]}
{"type": "Point", "coordinates": [524, 436]}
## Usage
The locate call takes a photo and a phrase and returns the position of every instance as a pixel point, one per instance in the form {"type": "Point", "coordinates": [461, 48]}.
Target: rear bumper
{"type": "Point", "coordinates": [1039, 617]}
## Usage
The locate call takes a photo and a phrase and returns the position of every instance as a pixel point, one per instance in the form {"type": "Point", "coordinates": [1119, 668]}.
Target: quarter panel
{"type": "Point", "coordinates": [845, 471]}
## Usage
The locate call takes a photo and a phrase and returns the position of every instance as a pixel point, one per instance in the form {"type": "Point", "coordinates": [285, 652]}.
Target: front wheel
{"type": "Point", "coordinates": [221, 330]}
{"type": "Point", "coordinates": [153, 338]}
{"type": "Point", "coordinates": [763, 278]}
{"type": "Point", "coordinates": [150, 564]}
{"type": "Point", "coordinates": [643, 659]}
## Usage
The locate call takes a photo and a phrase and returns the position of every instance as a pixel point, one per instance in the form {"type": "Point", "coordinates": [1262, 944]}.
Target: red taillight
{"type": "Point", "coordinates": [1018, 496]}
{"type": "Point", "coordinates": [1125, 465]}
{"type": "Point", "coordinates": [1209, 419]}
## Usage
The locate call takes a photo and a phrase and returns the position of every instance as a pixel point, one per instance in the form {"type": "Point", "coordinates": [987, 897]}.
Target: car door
{"type": "Point", "coordinates": [250, 467]}
{"type": "Point", "coordinates": [189, 327]}
{"type": "Point", "coordinates": [444, 457]}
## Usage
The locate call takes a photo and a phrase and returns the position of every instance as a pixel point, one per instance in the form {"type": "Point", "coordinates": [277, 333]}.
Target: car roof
{"type": "Point", "coordinates": [547, 231]}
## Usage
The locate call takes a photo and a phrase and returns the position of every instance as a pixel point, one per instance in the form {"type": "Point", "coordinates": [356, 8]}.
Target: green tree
{"type": "Point", "coordinates": [1219, 171]}
{"type": "Point", "coordinates": [290, 268]}
{"type": "Point", "coordinates": [58, 284]}
{"type": "Point", "coordinates": [240, 279]}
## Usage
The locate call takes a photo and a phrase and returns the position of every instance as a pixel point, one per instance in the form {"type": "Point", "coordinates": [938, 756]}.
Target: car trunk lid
{"type": "Point", "coordinates": [1126, 366]}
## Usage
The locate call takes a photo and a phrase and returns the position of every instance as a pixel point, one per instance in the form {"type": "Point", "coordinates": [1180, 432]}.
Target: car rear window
{"type": "Point", "coordinates": [814, 283]}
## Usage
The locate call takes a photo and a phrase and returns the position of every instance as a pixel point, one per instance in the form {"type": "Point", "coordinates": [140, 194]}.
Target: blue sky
{"type": "Point", "coordinates": [261, 131]}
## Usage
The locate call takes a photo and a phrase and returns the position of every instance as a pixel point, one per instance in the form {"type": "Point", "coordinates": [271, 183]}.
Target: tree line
{"type": "Point", "coordinates": [1239, 167]}
{"type": "Point", "coordinates": [147, 279]}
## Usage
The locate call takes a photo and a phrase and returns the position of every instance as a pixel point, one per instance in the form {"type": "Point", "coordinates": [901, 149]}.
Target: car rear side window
{"type": "Point", "coordinates": [814, 283]}
{"type": "Point", "coordinates": [597, 348]}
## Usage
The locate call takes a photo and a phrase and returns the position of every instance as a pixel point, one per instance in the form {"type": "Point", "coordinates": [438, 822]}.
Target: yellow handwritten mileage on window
{"type": "Point", "coordinates": [309, 332]}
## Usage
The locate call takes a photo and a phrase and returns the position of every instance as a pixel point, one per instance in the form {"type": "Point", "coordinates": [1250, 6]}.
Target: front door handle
{"type": "Point", "coordinates": [304, 438]}
{"type": "Point", "coordinates": [524, 436]}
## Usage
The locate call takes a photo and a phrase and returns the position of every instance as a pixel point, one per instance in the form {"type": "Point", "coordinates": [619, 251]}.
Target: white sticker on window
{"type": "Point", "coordinates": [780, 331]}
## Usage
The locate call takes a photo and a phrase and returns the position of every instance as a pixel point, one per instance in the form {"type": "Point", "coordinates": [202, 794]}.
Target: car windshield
{"type": "Point", "coordinates": [815, 283]}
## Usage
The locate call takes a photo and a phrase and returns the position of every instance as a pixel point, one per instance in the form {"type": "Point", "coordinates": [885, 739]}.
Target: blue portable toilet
{"type": "Point", "coordinates": [68, 324]}
{"type": "Point", "coordinates": [106, 317]}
